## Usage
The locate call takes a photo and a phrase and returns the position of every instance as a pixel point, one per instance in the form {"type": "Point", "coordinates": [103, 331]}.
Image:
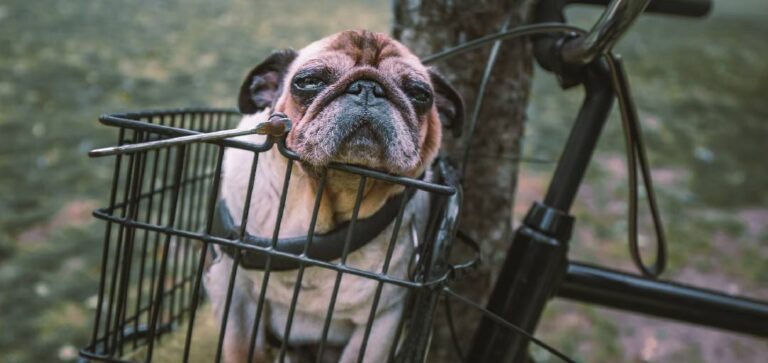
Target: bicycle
{"type": "Point", "coordinates": [163, 147]}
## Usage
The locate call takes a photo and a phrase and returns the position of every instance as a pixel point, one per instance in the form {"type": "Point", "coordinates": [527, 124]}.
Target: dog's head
{"type": "Point", "coordinates": [356, 97]}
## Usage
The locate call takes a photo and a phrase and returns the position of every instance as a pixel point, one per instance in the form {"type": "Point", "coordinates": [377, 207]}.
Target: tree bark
{"type": "Point", "coordinates": [427, 27]}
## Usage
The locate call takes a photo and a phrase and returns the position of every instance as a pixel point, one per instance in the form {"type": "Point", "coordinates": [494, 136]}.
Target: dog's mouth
{"type": "Point", "coordinates": [365, 136]}
{"type": "Point", "coordinates": [364, 144]}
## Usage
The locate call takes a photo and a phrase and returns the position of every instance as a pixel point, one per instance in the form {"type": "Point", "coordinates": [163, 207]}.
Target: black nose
{"type": "Point", "coordinates": [366, 86]}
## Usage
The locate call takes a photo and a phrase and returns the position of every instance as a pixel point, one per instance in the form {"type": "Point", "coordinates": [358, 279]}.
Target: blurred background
{"type": "Point", "coordinates": [700, 86]}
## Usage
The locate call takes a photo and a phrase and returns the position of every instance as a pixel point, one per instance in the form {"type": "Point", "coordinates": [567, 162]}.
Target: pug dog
{"type": "Point", "coordinates": [355, 97]}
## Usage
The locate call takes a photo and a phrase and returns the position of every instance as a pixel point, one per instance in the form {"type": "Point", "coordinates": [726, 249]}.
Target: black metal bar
{"type": "Point", "coordinates": [380, 286]}
{"type": "Point", "coordinates": [581, 142]}
{"type": "Point", "coordinates": [310, 237]}
{"type": "Point", "coordinates": [136, 185]}
{"type": "Point", "coordinates": [113, 286]}
{"type": "Point", "coordinates": [174, 266]}
{"type": "Point", "coordinates": [171, 122]}
{"type": "Point", "coordinates": [193, 199]}
{"type": "Point", "coordinates": [692, 8]}
{"type": "Point", "coordinates": [145, 243]}
{"type": "Point", "coordinates": [227, 305]}
{"type": "Point", "coordinates": [236, 260]}
{"type": "Point", "coordinates": [432, 283]}
{"type": "Point", "coordinates": [187, 200]}
{"type": "Point", "coordinates": [536, 259]}
{"type": "Point", "coordinates": [267, 269]}
{"type": "Point", "coordinates": [299, 275]}
{"type": "Point", "coordinates": [211, 207]}
{"type": "Point", "coordinates": [375, 174]}
{"type": "Point", "coordinates": [159, 292]}
{"type": "Point", "coordinates": [531, 272]}
{"type": "Point", "coordinates": [619, 290]}
{"type": "Point", "coordinates": [342, 262]}
{"type": "Point", "coordinates": [145, 246]}
{"type": "Point", "coordinates": [159, 220]}
{"type": "Point", "coordinates": [441, 228]}
{"type": "Point", "coordinates": [198, 194]}
{"type": "Point", "coordinates": [105, 251]}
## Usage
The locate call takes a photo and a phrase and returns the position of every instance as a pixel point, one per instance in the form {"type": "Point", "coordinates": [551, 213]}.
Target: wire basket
{"type": "Point", "coordinates": [159, 242]}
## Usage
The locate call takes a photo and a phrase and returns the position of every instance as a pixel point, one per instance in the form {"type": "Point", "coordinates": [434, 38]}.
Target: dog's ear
{"type": "Point", "coordinates": [450, 104]}
{"type": "Point", "coordinates": [262, 85]}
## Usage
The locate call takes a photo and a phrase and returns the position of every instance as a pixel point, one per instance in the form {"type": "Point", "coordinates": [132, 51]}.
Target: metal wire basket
{"type": "Point", "coordinates": [158, 238]}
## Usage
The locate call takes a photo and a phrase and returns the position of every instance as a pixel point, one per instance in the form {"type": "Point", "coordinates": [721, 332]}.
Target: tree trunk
{"type": "Point", "coordinates": [427, 27]}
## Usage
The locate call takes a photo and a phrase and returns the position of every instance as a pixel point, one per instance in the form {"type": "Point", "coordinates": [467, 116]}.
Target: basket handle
{"type": "Point", "coordinates": [277, 125]}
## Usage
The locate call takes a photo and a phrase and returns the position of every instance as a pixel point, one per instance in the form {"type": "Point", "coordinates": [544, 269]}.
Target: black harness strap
{"type": "Point", "coordinates": [325, 247]}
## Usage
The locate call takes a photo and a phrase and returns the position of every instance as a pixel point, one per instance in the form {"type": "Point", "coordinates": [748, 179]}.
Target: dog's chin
{"type": "Point", "coordinates": [363, 147]}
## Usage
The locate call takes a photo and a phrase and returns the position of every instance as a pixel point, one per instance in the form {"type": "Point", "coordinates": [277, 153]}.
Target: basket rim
{"type": "Point", "coordinates": [131, 120]}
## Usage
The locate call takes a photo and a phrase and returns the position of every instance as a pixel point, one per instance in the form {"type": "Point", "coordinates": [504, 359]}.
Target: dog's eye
{"type": "Point", "coordinates": [420, 95]}
{"type": "Point", "coordinates": [308, 83]}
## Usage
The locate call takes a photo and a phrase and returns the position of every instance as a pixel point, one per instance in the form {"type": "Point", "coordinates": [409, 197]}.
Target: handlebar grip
{"type": "Point", "coordinates": [691, 8]}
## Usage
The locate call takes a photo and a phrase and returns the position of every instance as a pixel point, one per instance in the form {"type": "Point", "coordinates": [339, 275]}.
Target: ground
{"type": "Point", "coordinates": [700, 88]}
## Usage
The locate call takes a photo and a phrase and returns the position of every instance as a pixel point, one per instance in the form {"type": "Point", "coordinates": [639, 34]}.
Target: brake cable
{"type": "Point", "coordinates": [487, 72]}
{"type": "Point", "coordinates": [636, 155]}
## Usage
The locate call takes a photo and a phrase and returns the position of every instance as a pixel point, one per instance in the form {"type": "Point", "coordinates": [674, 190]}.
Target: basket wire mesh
{"type": "Point", "coordinates": [158, 237]}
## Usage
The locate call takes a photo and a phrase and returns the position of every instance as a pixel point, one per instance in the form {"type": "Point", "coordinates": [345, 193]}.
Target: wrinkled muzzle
{"type": "Point", "coordinates": [361, 125]}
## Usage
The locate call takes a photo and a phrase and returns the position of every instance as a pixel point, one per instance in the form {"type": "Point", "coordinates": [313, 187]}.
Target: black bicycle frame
{"type": "Point", "coordinates": [537, 269]}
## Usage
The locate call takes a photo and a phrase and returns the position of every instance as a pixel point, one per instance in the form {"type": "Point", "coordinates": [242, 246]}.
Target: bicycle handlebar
{"type": "Point", "coordinates": [613, 23]}
{"type": "Point", "coordinates": [616, 19]}
{"type": "Point", "coordinates": [691, 8]}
